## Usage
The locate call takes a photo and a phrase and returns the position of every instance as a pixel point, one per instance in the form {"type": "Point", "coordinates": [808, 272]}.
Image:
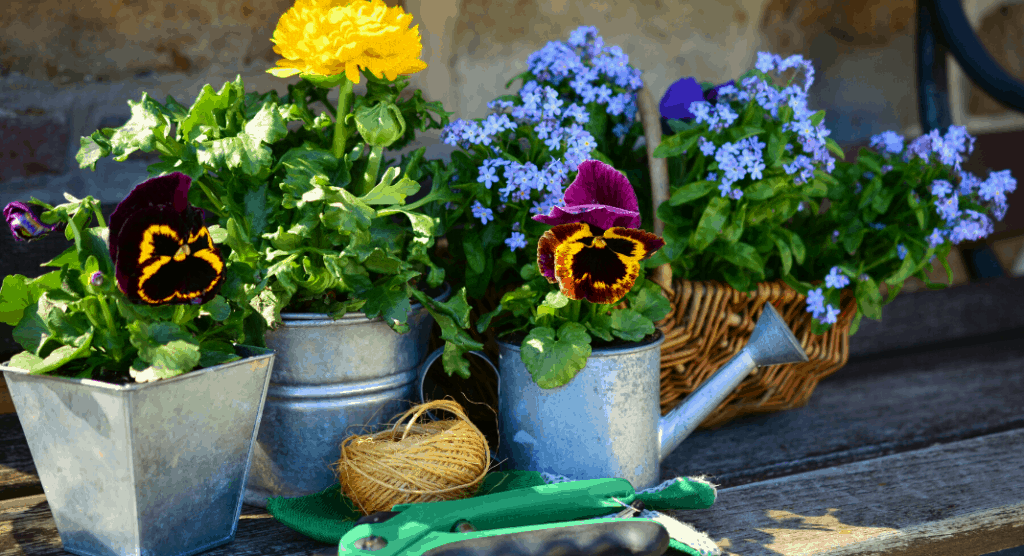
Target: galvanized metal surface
{"type": "Point", "coordinates": [154, 469]}
{"type": "Point", "coordinates": [605, 421]}
{"type": "Point", "coordinates": [771, 343]}
{"type": "Point", "coordinates": [331, 379]}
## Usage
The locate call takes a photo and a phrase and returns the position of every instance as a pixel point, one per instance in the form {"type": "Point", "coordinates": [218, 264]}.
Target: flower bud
{"type": "Point", "coordinates": [25, 221]}
{"type": "Point", "coordinates": [380, 124]}
{"type": "Point", "coordinates": [96, 279]}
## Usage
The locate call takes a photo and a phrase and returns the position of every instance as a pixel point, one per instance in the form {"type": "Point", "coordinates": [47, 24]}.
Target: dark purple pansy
{"type": "Point", "coordinates": [600, 196]}
{"type": "Point", "coordinates": [25, 221]}
{"type": "Point", "coordinates": [675, 104]}
{"type": "Point", "coordinates": [162, 252]}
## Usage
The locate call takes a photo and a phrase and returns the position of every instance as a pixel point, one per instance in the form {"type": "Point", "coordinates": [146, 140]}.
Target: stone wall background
{"type": "Point", "coordinates": [68, 68]}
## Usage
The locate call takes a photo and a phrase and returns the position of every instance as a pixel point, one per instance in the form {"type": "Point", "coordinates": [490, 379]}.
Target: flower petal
{"type": "Point", "coordinates": [552, 239]}
{"type": "Point", "coordinates": [25, 221]}
{"type": "Point", "coordinates": [170, 189]}
{"type": "Point", "coordinates": [711, 95]}
{"type": "Point", "coordinates": [675, 104]}
{"type": "Point", "coordinates": [633, 243]}
{"type": "Point", "coordinates": [600, 196]}
{"type": "Point", "coordinates": [603, 269]}
{"type": "Point", "coordinates": [167, 256]}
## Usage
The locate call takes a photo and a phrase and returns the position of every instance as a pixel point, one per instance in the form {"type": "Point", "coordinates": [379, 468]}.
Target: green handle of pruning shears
{"type": "Point", "coordinates": [415, 529]}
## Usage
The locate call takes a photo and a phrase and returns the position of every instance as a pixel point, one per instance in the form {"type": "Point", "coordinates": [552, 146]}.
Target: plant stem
{"type": "Point", "coordinates": [341, 130]}
{"type": "Point", "coordinates": [372, 169]}
{"type": "Point", "coordinates": [110, 321]}
{"type": "Point", "coordinates": [215, 205]}
{"type": "Point", "coordinates": [99, 214]}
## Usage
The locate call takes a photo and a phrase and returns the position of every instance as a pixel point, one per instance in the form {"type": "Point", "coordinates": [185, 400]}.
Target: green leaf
{"type": "Point", "coordinates": [91, 149]}
{"type": "Point", "coordinates": [474, 251]}
{"type": "Point", "coordinates": [650, 301]}
{"type": "Point", "coordinates": [202, 123]}
{"type": "Point", "coordinates": [869, 299]}
{"type": "Point", "coordinates": [208, 358]}
{"type": "Point", "coordinates": [905, 270]}
{"type": "Point", "coordinates": [389, 298]}
{"type": "Point", "coordinates": [784, 253]}
{"type": "Point", "coordinates": [691, 191]}
{"type": "Point", "coordinates": [384, 193]}
{"type": "Point", "coordinates": [630, 325]}
{"type": "Point", "coordinates": [217, 308]}
{"type": "Point", "coordinates": [485, 319]}
{"type": "Point", "coordinates": [347, 213]}
{"type": "Point", "coordinates": [711, 222]}
{"type": "Point", "coordinates": [600, 323]}
{"type": "Point", "coordinates": [242, 152]}
{"type": "Point", "coordinates": [55, 360]}
{"type": "Point", "coordinates": [834, 147]}
{"type": "Point", "coordinates": [552, 362]}
{"type": "Point", "coordinates": [764, 189]}
{"type": "Point", "coordinates": [773, 152]}
{"type": "Point", "coordinates": [799, 251]}
{"type": "Point", "coordinates": [267, 126]}
{"type": "Point", "coordinates": [674, 145]}
{"type": "Point", "coordinates": [141, 131]}
{"type": "Point", "coordinates": [745, 256]}
{"type": "Point", "coordinates": [817, 117]}
{"type": "Point", "coordinates": [14, 298]}
{"type": "Point", "coordinates": [452, 317]}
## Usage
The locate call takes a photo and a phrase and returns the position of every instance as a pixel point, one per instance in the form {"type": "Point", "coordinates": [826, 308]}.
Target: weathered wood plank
{"type": "Point", "coordinates": [6, 404]}
{"type": "Point", "coordinates": [28, 530]}
{"type": "Point", "coordinates": [964, 498]}
{"type": "Point", "coordinates": [930, 317]}
{"type": "Point", "coordinates": [866, 410]}
{"type": "Point", "coordinates": [17, 471]}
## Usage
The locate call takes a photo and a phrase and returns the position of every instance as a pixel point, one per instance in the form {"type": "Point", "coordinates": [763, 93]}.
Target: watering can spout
{"type": "Point", "coordinates": [771, 343]}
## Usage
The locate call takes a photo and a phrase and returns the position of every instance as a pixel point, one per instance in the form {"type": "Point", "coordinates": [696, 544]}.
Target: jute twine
{"type": "Point", "coordinates": [424, 462]}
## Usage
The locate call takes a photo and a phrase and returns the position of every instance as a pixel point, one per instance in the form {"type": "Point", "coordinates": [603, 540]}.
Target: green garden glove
{"type": "Point", "coordinates": [328, 515]}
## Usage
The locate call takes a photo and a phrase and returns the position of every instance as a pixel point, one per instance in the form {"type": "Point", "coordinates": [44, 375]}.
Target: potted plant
{"type": "Point", "coordinates": [577, 102]}
{"type": "Point", "coordinates": [760, 210]}
{"type": "Point", "coordinates": [139, 403]}
{"type": "Point", "coordinates": [577, 341]}
{"type": "Point", "coordinates": [314, 211]}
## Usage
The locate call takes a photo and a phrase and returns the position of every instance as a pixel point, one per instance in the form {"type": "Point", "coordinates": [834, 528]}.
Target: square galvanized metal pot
{"type": "Point", "coordinates": [154, 469]}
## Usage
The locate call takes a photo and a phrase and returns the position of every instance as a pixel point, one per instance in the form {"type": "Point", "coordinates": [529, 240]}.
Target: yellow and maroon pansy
{"type": "Point", "coordinates": [162, 252]}
{"type": "Point", "coordinates": [589, 263]}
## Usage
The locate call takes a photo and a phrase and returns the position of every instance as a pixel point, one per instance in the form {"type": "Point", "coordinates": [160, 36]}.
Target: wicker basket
{"type": "Point", "coordinates": [710, 322]}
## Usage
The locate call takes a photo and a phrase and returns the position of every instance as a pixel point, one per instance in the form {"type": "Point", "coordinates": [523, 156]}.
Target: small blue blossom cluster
{"type": "Point", "coordinates": [816, 305]}
{"type": "Point", "coordinates": [539, 112]}
{"type": "Point", "coordinates": [960, 225]}
{"type": "Point", "coordinates": [736, 160]}
{"type": "Point", "coordinates": [584, 59]}
{"type": "Point", "coordinates": [756, 88]}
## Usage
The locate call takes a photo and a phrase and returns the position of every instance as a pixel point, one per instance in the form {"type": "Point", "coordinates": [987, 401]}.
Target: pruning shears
{"type": "Point", "coordinates": [530, 521]}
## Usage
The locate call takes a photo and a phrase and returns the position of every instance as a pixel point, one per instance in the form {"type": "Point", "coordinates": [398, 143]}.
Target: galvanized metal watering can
{"type": "Point", "coordinates": [605, 422]}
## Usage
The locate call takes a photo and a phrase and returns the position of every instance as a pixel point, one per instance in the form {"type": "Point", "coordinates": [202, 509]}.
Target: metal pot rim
{"type": "Point", "coordinates": [258, 353]}
{"type": "Point", "coordinates": [607, 351]}
{"type": "Point", "coordinates": [320, 319]}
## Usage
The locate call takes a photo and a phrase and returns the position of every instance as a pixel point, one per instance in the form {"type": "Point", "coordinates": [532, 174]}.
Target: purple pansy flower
{"type": "Point", "coordinates": [675, 104]}
{"type": "Point", "coordinates": [161, 250]}
{"type": "Point", "coordinates": [600, 196]}
{"type": "Point", "coordinates": [25, 221]}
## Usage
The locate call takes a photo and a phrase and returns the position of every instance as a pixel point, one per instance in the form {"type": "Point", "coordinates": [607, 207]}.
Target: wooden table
{"type": "Point", "coordinates": [915, 447]}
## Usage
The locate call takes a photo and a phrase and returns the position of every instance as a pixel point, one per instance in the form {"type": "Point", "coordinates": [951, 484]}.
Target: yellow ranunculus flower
{"type": "Point", "coordinates": [330, 37]}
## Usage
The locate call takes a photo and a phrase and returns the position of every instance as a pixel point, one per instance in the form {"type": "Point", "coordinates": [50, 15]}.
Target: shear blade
{"type": "Point", "coordinates": [626, 537]}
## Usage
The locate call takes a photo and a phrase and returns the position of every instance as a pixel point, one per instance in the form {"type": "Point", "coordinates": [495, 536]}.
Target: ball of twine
{"type": "Point", "coordinates": [423, 462]}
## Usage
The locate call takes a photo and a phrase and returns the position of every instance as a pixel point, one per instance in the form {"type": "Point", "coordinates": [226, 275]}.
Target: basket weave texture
{"type": "Point", "coordinates": [710, 322]}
